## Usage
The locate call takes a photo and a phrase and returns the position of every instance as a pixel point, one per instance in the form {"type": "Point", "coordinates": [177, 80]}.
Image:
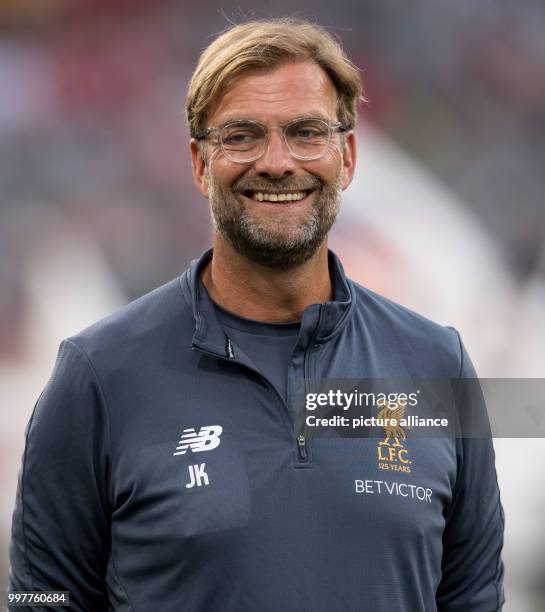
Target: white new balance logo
{"type": "Point", "coordinates": [207, 439]}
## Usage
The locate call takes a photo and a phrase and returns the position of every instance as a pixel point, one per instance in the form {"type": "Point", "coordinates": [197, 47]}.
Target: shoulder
{"type": "Point", "coordinates": [398, 328]}
{"type": "Point", "coordinates": [142, 324]}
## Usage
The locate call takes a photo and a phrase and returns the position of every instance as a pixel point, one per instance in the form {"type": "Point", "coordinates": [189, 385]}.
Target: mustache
{"type": "Point", "coordinates": [286, 184]}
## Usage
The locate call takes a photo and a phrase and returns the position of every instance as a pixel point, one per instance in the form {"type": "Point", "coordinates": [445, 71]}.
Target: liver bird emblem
{"type": "Point", "coordinates": [395, 432]}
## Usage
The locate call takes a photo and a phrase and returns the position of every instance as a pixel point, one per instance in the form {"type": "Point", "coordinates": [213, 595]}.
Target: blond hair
{"type": "Point", "coordinates": [266, 45]}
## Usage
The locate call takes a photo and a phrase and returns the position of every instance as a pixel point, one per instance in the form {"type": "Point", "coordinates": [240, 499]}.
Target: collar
{"type": "Point", "coordinates": [319, 324]}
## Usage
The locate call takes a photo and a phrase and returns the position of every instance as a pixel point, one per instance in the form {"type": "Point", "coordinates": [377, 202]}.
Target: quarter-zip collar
{"type": "Point", "coordinates": [320, 321]}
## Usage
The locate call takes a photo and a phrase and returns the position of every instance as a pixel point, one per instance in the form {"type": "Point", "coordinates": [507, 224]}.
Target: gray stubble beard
{"type": "Point", "coordinates": [261, 243]}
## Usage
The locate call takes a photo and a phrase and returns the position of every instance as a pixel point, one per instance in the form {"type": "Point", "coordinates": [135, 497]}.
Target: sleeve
{"type": "Point", "coordinates": [60, 537]}
{"type": "Point", "coordinates": [472, 568]}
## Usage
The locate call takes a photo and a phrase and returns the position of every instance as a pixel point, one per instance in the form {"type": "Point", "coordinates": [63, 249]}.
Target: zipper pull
{"type": "Point", "coordinates": [302, 445]}
{"type": "Point", "coordinates": [229, 348]}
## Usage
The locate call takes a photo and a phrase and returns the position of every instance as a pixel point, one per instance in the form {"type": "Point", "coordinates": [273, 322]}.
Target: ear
{"type": "Point", "coordinates": [349, 159]}
{"type": "Point", "coordinates": [198, 168]}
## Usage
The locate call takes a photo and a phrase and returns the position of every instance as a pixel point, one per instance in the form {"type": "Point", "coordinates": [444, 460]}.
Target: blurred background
{"type": "Point", "coordinates": [446, 214]}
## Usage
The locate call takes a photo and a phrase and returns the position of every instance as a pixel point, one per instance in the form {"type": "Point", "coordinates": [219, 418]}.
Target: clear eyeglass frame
{"type": "Point", "coordinates": [220, 131]}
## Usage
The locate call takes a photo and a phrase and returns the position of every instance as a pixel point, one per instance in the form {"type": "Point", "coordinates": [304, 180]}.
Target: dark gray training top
{"type": "Point", "coordinates": [163, 472]}
{"type": "Point", "coordinates": [269, 346]}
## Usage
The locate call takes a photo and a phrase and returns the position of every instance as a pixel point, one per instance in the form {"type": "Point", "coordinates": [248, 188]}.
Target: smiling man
{"type": "Point", "coordinates": [165, 467]}
{"type": "Point", "coordinates": [275, 191]}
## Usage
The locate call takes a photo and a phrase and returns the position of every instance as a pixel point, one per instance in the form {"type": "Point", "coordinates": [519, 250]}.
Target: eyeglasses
{"type": "Point", "coordinates": [245, 141]}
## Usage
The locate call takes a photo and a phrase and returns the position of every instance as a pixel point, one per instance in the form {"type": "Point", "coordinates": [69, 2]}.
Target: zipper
{"type": "Point", "coordinates": [229, 348]}
{"type": "Point", "coordinates": [302, 447]}
{"type": "Point", "coordinates": [301, 439]}
{"type": "Point", "coordinates": [302, 442]}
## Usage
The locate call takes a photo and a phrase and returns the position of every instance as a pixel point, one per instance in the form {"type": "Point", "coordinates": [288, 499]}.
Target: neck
{"type": "Point", "coordinates": [256, 292]}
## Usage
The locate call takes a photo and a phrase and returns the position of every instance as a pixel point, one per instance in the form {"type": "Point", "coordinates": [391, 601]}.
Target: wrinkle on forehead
{"type": "Point", "coordinates": [279, 95]}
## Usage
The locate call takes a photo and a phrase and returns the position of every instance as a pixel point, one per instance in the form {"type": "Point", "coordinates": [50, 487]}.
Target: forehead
{"type": "Point", "coordinates": [292, 90]}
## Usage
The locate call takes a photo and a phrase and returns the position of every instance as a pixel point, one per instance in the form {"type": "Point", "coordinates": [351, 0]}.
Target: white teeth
{"type": "Point", "coordinates": [278, 197]}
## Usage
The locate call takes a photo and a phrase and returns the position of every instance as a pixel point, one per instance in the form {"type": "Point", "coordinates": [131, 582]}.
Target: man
{"type": "Point", "coordinates": [163, 470]}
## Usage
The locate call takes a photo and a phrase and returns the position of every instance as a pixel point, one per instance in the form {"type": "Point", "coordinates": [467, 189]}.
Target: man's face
{"type": "Point", "coordinates": [285, 233]}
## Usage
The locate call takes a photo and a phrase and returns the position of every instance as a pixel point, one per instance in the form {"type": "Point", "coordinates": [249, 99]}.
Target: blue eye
{"type": "Point", "coordinates": [308, 130]}
{"type": "Point", "coordinates": [238, 138]}
{"type": "Point", "coordinates": [241, 135]}
{"type": "Point", "coordinates": [307, 133]}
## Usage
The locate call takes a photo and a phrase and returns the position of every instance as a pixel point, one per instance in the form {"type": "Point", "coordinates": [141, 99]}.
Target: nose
{"type": "Point", "coordinates": [276, 160]}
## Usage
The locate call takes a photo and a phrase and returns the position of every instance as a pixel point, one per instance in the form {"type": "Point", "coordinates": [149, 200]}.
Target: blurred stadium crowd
{"type": "Point", "coordinates": [92, 134]}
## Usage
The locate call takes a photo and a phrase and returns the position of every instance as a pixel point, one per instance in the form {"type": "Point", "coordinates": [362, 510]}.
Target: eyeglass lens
{"type": "Point", "coordinates": [245, 141]}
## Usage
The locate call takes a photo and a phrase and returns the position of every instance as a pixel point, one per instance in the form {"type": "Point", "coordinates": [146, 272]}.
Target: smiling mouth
{"type": "Point", "coordinates": [277, 196]}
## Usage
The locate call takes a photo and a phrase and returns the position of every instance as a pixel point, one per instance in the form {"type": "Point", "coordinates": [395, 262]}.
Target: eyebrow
{"type": "Point", "coordinates": [298, 118]}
